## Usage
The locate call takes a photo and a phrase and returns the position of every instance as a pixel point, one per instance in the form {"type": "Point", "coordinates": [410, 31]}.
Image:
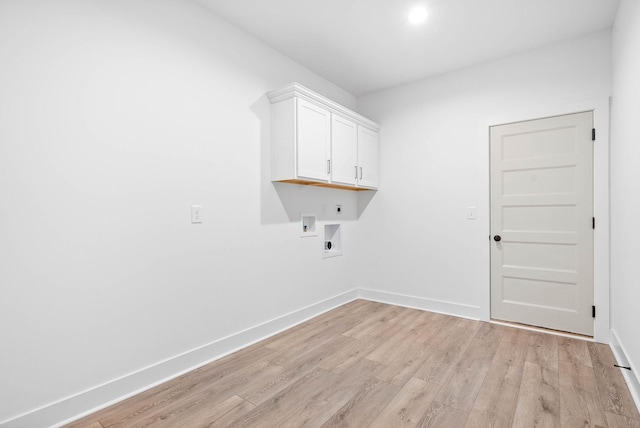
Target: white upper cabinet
{"type": "Point", "coordinates": [319, 142]}
{"type": "Point", "coordinates": [314, 141]}
{"type": "Point", "coordinates": [344, 151]}
{"type": "Point", "coordinates": [367, 158]}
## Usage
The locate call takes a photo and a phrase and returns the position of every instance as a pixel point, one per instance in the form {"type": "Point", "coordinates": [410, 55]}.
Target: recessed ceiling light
{"type": "Point", "coordinates": [418, 15]}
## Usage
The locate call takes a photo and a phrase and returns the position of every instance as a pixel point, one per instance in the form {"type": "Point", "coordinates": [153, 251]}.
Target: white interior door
{"type": "Point", "coordinates": [541, 223]}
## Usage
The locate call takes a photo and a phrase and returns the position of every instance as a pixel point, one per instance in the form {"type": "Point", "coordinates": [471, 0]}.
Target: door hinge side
{"type": "Point", "coordinates": [593, 134]}
{"type": "Point", "coordinates": [593, 222]}
{"type": "Point", "coordinates": [593, 311]}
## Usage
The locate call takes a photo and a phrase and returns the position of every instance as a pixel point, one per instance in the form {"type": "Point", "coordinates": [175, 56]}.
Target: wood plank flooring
{"type": "Point", "coordinates": [367, 364]}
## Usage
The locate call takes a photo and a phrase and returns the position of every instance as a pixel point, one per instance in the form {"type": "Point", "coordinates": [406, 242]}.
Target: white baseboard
{"type": "Point", "coordinates": [89, 401]}
{"type": "Point", "coordinates": [439, 306]}
{"type": "Point", "coordinates": [630, 376]}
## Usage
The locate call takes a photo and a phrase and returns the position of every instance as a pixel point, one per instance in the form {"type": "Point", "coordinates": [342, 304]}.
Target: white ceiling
{"type": "Point", "coordinates": [368, 45]}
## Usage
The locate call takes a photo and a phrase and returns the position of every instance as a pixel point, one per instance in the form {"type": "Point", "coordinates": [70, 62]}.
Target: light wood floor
{"type": "Point", "coordinates": [368, 364]}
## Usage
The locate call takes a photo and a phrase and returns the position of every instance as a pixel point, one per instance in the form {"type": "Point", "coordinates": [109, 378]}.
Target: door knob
{"type": "Point", "coordinates": [497, 238]}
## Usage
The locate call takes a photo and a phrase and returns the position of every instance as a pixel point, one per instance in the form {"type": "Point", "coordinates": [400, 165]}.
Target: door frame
{"type": "Point", "coordinates": [601, 262]}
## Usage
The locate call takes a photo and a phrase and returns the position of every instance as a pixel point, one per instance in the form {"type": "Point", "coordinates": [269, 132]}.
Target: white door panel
{"type": "Point", "coordinates": [314, 139]}
{"type": "Point", "coordinates": [541, 208]}
{"type": "Point", "coordinates": [367, 157]}
{"type": "Point", "coordinates": [344, 150]}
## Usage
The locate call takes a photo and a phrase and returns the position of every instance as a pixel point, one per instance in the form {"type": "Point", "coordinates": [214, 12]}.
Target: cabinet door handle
{"type": "Point", "coordinates": [328, 166]}
{"type": "Point", "coordinates": [356, 167]}
{"type": "Point", "coordinates": [360, 173]}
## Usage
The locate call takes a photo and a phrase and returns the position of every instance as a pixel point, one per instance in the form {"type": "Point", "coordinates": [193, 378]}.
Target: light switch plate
{"type": "Point", "coordinates": [471, 213]}
{"type": "Point", "coordinates": [196, 214]}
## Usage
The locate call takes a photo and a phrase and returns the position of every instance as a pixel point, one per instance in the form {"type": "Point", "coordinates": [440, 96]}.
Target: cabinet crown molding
{"type": "Point", "coordinates": [297, 90]}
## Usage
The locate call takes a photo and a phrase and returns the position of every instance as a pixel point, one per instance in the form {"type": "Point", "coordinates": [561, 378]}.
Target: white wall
{"type": "Point", "coordinates": [415, 236]}
{"type": "Point", "coordinates": [116, 117]}
{"type": "Point", "coordinates": [625, 177]}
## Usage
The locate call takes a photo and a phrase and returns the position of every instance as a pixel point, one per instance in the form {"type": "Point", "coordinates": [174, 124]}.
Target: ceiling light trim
{"type": "Point", "coordinates": [418, 15]}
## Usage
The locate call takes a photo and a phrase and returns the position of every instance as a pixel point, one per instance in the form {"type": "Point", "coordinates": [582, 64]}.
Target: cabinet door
{"type": "Point", "coordinates": [313, 141]}
{"type": "Point", "coordinates": [344, 150]}
{"type": "Point", "coordinates": [367, 158]}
